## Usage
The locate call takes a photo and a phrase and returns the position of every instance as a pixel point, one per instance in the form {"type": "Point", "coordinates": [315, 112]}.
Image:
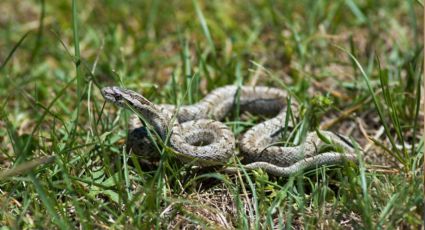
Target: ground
{"type": "Point", "coordinates": [355, 67]}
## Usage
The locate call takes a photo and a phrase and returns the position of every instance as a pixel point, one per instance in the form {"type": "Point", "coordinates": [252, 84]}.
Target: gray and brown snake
{"type": "Point", "coordinates": [195, 131]}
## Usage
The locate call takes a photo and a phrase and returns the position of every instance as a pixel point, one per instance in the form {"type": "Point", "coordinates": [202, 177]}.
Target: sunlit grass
{"type": "Point", "coordinates": [355, 67]}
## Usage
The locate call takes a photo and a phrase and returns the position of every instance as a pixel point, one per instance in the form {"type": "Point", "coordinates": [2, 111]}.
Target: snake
{"type": "Point", "coordinates": [196, 131]}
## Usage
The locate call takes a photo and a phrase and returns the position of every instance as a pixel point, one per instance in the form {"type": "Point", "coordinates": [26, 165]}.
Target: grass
{"type": "Point", "coordinates": [355, 67]}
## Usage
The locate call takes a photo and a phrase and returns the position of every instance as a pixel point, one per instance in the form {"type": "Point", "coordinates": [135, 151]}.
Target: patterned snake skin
{"type": "Point", "coordinates": [195, 131]}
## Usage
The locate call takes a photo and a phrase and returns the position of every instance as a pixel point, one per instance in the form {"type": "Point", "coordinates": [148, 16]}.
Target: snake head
{"type": "Point", "coordinates": [137, 103]}
{"type": "Point", "coordinates": [124, 97]}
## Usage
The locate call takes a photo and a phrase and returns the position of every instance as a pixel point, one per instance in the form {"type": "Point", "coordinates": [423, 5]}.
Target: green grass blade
{"type": "Point", "coordinates": [375, 101]}
{"type": "Point", "coordinates": [50, 205]}
{"type": "Point", "coordinates": [38, 42]}
{"type": "Point", "coordinates": [9, 56]}
{"type": "Point", "coordinates": [204, 25]}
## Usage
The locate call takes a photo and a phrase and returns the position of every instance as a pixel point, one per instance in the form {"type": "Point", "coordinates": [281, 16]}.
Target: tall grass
{"type": "Point", "coordinates": [63, 161]}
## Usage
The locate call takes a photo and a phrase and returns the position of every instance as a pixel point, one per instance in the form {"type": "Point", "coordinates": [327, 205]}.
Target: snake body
{"type": "Point", "coordinates": [197, 133]}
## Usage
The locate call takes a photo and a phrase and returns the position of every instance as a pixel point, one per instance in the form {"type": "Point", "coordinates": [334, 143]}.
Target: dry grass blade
{"type": "Point", "coordinates": [26, 167]}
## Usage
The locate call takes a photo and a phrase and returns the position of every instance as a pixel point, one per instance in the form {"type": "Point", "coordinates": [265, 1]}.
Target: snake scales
{"type": "Point", "coordinates": [197, 133]}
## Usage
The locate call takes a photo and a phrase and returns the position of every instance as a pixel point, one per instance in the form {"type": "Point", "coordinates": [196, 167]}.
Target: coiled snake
{"type": "Point", "coordinates": [197, 133]}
